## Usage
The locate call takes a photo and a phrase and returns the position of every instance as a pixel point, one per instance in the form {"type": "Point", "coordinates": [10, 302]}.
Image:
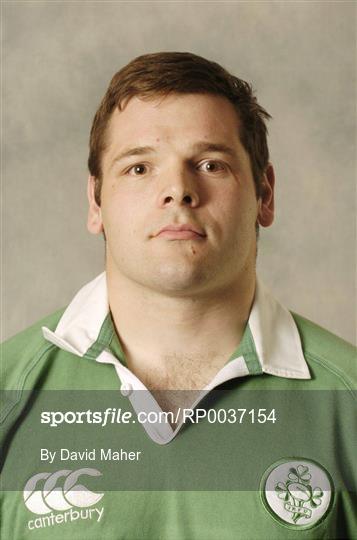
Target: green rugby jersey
{"type": "Point", "coordinates": [266, 450]}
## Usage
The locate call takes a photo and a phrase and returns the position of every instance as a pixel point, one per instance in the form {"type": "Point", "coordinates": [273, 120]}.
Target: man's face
{"type": "Point", "coordinates": [178, 202]}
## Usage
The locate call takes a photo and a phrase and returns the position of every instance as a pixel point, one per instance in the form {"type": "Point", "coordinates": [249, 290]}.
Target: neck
{"type": "Point", "coordinates": [155, 328]}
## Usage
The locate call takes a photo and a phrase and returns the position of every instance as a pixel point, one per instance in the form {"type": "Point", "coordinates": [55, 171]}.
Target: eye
{"type": "Point", "coordinates": [137, 170]}
{"type": "Point", "coordinates": [212, 166]}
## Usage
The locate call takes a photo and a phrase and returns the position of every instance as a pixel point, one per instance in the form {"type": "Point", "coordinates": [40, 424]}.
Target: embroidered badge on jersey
{"type": "Point", "coordinates": [297, 492]}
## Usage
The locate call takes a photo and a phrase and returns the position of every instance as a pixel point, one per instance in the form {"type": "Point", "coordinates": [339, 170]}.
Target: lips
{"type": "Point", "coordinates": [181, 232]}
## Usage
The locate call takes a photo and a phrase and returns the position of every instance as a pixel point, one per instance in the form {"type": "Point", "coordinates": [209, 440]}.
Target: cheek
{"type": "Point", "coordinates": [237, 210]}
{"type": "Point", "coordinates": [115, 212]}
{"type": "Point", "coordinates": [122, 214]}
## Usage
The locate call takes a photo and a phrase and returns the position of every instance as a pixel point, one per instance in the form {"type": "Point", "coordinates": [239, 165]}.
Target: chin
{"type": "Point", "coordinates": [180, 278]}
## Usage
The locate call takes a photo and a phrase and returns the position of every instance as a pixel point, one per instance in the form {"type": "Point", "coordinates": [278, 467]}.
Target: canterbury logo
{"type": "Point", "coordinates": [53, 497]}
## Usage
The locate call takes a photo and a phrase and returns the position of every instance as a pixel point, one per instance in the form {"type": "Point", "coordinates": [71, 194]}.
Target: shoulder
{"type": "Point", "coordinates": [22, 351]}
{"type": "Point", "coordinates": [326, 352]}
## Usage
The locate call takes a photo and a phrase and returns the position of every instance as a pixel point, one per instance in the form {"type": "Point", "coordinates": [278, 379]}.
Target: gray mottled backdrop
{"type": "Point", "coordinates": [58, 58]}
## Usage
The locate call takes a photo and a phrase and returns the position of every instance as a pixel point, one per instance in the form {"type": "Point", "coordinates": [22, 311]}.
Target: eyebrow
{"type": "Point", "coordinates": [214, 147]}
{"type": "Point", "coordinates": [136, 151]}
{"type": "Point", "coordinates": [197, 147]}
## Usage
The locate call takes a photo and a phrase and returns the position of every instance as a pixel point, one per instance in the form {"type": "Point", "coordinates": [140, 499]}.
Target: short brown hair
{"type": "Point", "coordinates": [160, 74]}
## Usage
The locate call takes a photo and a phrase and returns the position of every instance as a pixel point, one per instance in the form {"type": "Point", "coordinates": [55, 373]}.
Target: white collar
{"type": "Point", "coordinates": [275, 335]}
{"type": "Point", "coordinates": [276, 348]}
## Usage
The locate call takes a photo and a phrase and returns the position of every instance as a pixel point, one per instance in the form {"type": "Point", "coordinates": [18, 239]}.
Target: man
{"type": "Point", "coordinates": [255, 402]}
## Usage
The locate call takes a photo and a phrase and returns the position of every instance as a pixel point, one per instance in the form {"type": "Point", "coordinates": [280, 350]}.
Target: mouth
{"type": "Point", "coordinates": [181, 232]}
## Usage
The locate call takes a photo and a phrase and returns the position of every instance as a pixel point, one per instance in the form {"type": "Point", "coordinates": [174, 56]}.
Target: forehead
{"type": "Point", "coordinates": [174, 118]}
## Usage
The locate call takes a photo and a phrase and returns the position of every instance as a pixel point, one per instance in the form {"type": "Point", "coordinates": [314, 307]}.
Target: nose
{"type": "Point", "coordinates": [179, 189]}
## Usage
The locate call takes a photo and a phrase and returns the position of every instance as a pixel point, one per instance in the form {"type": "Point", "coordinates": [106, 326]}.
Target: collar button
{"type": "Point", "coordinates": [126, 389]}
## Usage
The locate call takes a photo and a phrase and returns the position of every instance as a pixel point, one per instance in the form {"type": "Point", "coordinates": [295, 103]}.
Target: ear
{"type": "Point", "coordinates": [266, 201]}
{"type": "Point", "coordinates": [94, 221]}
